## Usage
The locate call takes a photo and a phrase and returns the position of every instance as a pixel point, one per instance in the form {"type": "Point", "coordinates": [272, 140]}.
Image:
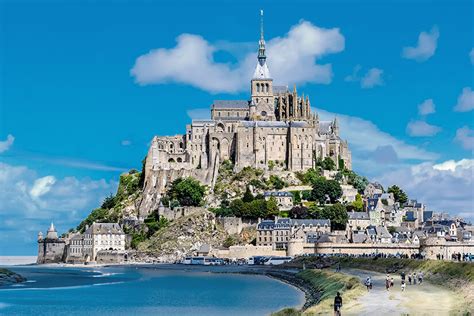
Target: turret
{"type": "Point", "coordinates": [52, 233]}
{"type": "Point", "coordinates": [40, 236]}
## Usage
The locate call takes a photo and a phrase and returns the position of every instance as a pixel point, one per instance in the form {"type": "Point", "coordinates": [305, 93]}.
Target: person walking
{"type": "Point", "coordinates": [391, 282]}
{"type": "Point", "coordinates": [420, 277]}
{"type": "Point", "coordinates": [414, 278]}
{"type": "Point", "coordinates": [387, 282]}
{"type": "Point", "coordinates": [403, 286]}
{"type": "Point", "coordinates": [409, 278]}
{"type": "Point", "coordinates": [368, 284]}
{"type": "Point", "coordinates": [337, 304]}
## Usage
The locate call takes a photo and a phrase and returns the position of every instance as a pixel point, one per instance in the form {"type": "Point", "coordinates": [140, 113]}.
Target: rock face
{"type": "Point", "coordinates": [8, 277]}
{"type": "Point", "coordinates": [184, 237]}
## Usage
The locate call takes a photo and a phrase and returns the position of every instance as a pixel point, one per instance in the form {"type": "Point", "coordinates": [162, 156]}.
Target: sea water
{"type": "Point", "coordinates": [135, 290]}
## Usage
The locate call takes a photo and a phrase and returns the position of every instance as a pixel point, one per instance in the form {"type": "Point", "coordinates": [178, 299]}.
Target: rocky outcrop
{"type": "Point", "coordinates": [8, 277]}
{"type": "Point", "coordinates": [184, 237]}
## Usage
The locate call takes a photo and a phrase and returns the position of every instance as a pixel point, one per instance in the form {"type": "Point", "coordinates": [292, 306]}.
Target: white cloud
{"type": "Point", "coordinates": [471, 56]}
{"type": "Point", "coordinates": [421, 129]}
{"type": "Point", "coordinates": [465, 136]}
{"type": "Point", "coordinates": [126, 142]}
{"type": "Point", "coordinates": [355, 74]}
{"type": "Point", "coordinates": [465, 101]}
{"type": "Point", "coordinates": [42, 186]}
{"type": "Point", "coordinates": [425, 48]}
{"type": "Point", "coordinates": [292, 57]}
{"type": "Point", "coordinates": [447, 186]}
{"type": "Point", "coordinates": [426, 107]}
{"type": "Point", "coordinates": [199, 114]}
{"type": "Point", "coordinates": [29, 202]}
{"type": "Point", "coordinates": [81, 164]}
{"type": "Point", "coordinates": [365, 136]}
{"type": "Point", "coordinates": [372, 78]}
{"type": "Point", "coordinates": [6, 144]}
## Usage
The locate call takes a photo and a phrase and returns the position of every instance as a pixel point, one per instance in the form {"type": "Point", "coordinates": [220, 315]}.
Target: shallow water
{"type": "Point", "coordinates": [143, 290]}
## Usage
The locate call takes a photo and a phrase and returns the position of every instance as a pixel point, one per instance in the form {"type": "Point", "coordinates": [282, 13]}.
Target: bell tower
{"type": "Point", "coordinates": [262, 84]}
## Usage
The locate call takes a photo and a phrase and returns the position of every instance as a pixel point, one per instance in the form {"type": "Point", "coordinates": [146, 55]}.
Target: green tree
{"type": "Point", "coordinates": [248, 196]}
{"type": "Point", "coordinates": [333, 190]}
{"type": "Point", "coordinates": [296, 197]}
{"type": "Point", "coordinates": [341, 165]}
{"type": "Point", "coordinates": [276, 182]}
{"type": "Point", "coordinates": [272, 208]}
{"type": "Point", "coordinates": [238, 208]}
{"type": "Point", "coordinates": [188, 191]}
{"type": "Point", "coordinates": [398, 194]}
{"type": "Point", "coordinates": [319, 190]}
{"type": "Point", "coordinates": [358, 204]}
{"type": "Point", "coordinates": [337, 214]}
{"type": "Point", "coordinates": [328, 164]}
{"type": "Point", "coordinates": [109, 202]}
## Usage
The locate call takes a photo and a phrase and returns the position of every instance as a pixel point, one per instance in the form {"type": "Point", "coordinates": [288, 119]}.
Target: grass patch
{"type": "Point", "coordinates": [328, 284]}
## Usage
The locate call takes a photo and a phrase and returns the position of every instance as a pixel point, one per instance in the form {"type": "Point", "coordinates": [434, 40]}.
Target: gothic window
{"type": "Point", "coordinates": [171, 160]}
{"type": "Point", "coordinates": [219, 114]}
{"type": "Point", "coordinates": [258, 87]}
{"type": "Point", "coordinates": [171, 145]}
{"type": "Point", "coordinates": [181, 145]}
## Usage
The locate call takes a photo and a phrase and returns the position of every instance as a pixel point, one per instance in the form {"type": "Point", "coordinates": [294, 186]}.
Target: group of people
{"type": "Point", "coordinates": [413, 278]}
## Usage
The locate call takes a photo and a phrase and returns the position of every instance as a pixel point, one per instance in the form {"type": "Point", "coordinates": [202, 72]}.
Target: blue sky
{"type": "Point", "coordinates": [81, 94]}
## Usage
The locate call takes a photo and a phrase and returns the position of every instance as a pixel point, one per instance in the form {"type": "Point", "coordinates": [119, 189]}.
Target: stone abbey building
{"type": "Point", "coordinates": [276, 128]}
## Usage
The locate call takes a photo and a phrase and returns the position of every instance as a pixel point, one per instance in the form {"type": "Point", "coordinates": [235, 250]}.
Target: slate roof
{"type": "Point", "coordinates": [278, 193]}
{"type": "Point", "coordinates": [325, 127]}
{"type": "Point", "coordinates": [104, 228]}
{"type": "Point", "coordinates": [358, 215]}
{"type": "Point", "coordinates": [230, 104]}
{"type": "Point", "coordinates": [359, 238]}
{"type": "Point", "coordinates": [266, 224]}
{"type": "Point", "coordinates": [280, 89]}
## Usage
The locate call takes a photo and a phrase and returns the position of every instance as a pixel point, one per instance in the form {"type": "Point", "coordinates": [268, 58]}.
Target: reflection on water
{"type": "Point", "coordinates": [143, 290]}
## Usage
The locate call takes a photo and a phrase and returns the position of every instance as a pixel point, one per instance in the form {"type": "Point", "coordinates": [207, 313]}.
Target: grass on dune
{"type": "Point", "coordinates": [328, 283]}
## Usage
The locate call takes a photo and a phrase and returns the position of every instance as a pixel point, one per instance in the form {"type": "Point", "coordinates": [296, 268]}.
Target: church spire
{"type": "Point", "coordinates": [261, 71]}
{"type": "Point", "coordinates": [261, 43]}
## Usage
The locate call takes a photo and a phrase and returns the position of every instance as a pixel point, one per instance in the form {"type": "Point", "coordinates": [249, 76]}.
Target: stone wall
{"type": "Point", "coordinates": [433, 246]}
{"type": "Point", "coordinates": [300, 248]}
{"type": "Point", "coordinates": [234, 225]}
{"type": "Point", "coordinates": [51, 251]}
{"type": "Point", "coordinates": [238, 252]}
{"type": "Point", "coordinates": [111, 256]}
{"type": "Point", "coordinates": [178, 212]}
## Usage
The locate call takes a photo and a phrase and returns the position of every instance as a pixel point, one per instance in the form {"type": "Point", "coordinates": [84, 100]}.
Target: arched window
{"type": "Point", "coordinates": [181, 145]}
{"type": "Point", "coordinates": [258, 87]}
{"type": "Point", "coordinates": [179, 159]}
{"type": "Point", "coordinates": [171, 160]}
{"type": "Point", "coordinates": [266, 87]}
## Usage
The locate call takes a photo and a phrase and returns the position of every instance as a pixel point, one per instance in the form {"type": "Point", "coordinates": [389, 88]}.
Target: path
{"type": "Point", "coordinates": [425, 299]}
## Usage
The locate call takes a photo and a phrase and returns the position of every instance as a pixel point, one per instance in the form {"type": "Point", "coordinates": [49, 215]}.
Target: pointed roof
{"type": "Point", "coordinates": [261, 70]}
{"type": "Point", "coordinates": [51, 228]}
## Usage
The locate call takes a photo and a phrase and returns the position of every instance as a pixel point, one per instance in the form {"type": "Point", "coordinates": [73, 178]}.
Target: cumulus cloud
{"type": "Point", "coordinates": [465, 101]}
{"type": "Point", "coordinates": [292, 57]}
{"type": "Point", "coordinates": [446, 186]}
{"type": "Point", "coordinates": [426, 107]}
{"type": "Point", "coordinates": [425, 47]}
{"type": "Point", "coordinates": [42, 186]}
{"type": "Point", "coordinates": [421, 129]}
{"type": "Point", "coordinates": [29, 202]}
{"type": "Point", "coordinates": [372, 78]}
{"type": "Point", "coordinates": [465, 136]}
{"type": "Point", "coordinates": [364, 136]}
{"type": "Point", "coordinates": [6, 144]}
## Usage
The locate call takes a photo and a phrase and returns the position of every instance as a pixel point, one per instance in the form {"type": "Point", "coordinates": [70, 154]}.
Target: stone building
{"type": "Point", "coordinates": [284, 199]}
{"type": "Point", "coordinates": [276, 127]}
{"type": "Point", "coordinates": [51, 249]}
{"type": "Point", "coordinates": [98, 240]}
{"type": "Point", "coordinates": [277, 233]}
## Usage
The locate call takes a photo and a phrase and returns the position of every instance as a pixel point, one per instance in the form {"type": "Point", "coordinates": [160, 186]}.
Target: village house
{"type": "Point", "coordinates": [283, 198]}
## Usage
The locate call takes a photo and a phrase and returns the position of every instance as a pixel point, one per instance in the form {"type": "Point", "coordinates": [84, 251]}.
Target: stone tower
{"type": "Point", "coordinates": [262, 104]}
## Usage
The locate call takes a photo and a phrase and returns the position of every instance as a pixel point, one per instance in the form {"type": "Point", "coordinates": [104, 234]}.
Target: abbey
{"type": "Point", "coordinates": [275, 129]}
